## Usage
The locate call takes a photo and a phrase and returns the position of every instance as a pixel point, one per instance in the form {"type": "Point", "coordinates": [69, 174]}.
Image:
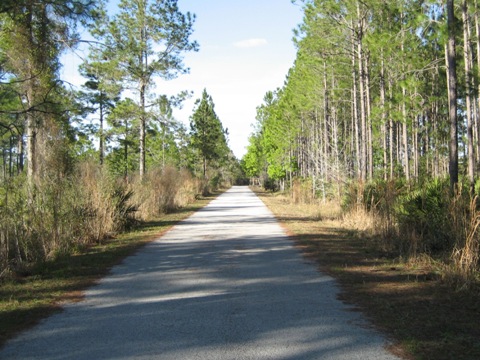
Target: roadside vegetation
{"type": "Point", "coordinates": [423, 297]}
{"type": "Point", "coordinates": [378, 119]}
{"type": "Point", "coordinates": [32, 294]}
{"type": "Point", "coordinates": [89, 173]}
{"type": "Point", "coordinates": [78, 166]}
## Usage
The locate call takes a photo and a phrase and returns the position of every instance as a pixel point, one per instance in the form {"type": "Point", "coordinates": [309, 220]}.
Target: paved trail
{"type": "Point", "coordinates": [224, 284]}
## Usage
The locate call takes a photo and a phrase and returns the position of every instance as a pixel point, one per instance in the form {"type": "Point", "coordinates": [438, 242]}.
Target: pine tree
{"type": "Point", "coordinates": [145, 39]}
{"type": "Point", "coordinates": [100, 100]}
{"type": "Point", "coordinates": [33, 34]}
{"type": "Point", "coordinates": [207, 133]}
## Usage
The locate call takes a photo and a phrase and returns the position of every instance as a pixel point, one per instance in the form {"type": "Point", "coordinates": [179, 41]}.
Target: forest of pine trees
{"type": "Point", "coordinates": [78, 165]}
{"type": "Point", "coordinates": [382, 109]}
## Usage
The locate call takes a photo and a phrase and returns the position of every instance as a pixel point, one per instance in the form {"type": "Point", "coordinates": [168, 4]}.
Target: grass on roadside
{"type": "Point", "coordinates": [27, 298]}
{"type": "Point", "coordinates": [424, 317]}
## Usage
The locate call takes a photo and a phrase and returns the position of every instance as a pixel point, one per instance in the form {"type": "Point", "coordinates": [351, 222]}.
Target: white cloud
{"type": "Point", "coordinates": [249, 43]}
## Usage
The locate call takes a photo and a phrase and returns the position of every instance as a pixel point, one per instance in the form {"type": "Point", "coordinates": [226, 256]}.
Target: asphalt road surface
{"type": "Point", "coordinates": [226, 283]}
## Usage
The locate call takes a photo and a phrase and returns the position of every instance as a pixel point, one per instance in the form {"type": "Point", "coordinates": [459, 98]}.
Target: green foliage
{"type": "Point", "coordinates": [123, 210]}
{"type": "Point", "coordinates": [253, 162]}
{"type": "Point", "coordinates": [207, 134]}
{"type": "Point", "coordinates": [123, 133]}
{"type": "Point", "coordinates": [143, 40]}
{"type": "Point", "coordinates": [416, 218]}
{"type": "Point", "coordinates": [424, 213]}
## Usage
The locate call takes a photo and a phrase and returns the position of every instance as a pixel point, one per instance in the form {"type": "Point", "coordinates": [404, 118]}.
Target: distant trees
{"type": "Point", "coordinates": [207, 134]}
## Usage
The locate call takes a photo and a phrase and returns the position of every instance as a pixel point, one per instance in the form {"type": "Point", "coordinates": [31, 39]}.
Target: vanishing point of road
{"type": "Point", "coordinates": [226, 283]}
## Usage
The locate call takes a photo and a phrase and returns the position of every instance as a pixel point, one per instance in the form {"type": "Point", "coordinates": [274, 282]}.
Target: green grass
{"type": "Point", "coordinates": [28, 297]}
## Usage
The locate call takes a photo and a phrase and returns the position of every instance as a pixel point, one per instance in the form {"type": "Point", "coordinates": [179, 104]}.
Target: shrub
{"type": "Point", "coordinates": [59, 214]}
{"type": "Point", "coordinates": [302, 192]}
{"type": "Point", "coordinates": [107, 206]}
{"type": "Point", "coordinates": [466, 253]}
{"type": "Point", "coordinates": [164, 190]}
{"type": "Point", "coordinates": [424, 214]}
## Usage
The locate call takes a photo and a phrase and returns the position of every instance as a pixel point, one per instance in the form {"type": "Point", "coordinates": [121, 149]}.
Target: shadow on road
{"type": "Point", "coordinates": [224, 284]}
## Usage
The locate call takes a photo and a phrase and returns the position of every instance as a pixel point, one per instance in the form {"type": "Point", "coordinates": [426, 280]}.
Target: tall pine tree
{"type": "Point", "coordinates": [146, 39]}
{"type": "Point", "coordinates": [207, 133]}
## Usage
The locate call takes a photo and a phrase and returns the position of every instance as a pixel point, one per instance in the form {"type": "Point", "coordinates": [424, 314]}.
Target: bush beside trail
{"type": "Point", "coordinates": [65, 213]}
{"type": "Point", "coordinates": [408, 222]}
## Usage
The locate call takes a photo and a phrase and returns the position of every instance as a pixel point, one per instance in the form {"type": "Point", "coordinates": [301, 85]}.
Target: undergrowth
{"type": "Point", "coordinates": [410, 222]}
{"type": "Point", "coordinates": [61, 213]}
{"type": "Point", "coordinates": [414, 222]}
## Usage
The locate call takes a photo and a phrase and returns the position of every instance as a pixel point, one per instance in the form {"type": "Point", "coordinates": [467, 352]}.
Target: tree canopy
{"type": "Point", "coordinates": [371, 95]}
{"type": "Point", "coordinates": [207, 133]}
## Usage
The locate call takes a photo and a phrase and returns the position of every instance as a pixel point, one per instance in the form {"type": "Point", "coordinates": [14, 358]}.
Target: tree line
{"type": "Point", "coordinates": [380, 109]}
{"type": "Point", "coordinates": [370, 92]}
{"type": "Point", "coordinates": [71, 158]}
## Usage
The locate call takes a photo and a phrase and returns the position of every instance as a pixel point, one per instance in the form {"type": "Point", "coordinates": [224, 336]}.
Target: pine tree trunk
{"type": "Point", "coordinates": [125, 151]}
{"type": "Point", "coordinates": [20, 150]}
{"type": "Point", "coordinates": [436, 158]}
{"type": "Point", "coordinates": [477, 103]}
{"type": "Point", "coordinates": [326, 128]}
{"type": "Point", "coordinates": [142, 131]}
{"type": "Point", "coordinates": [468, 95]}
{"type": "Point", "coordinates": [415, 146]}
{"type": "Point", "coordinates": [101, 145]}
{"type": "Point", "coordinates": [335, 137]}
{"type": "Point", "coordinates": [368, 100]}
{"type": "Point", "coordinates": [356, 127]}
{"type": "Point", "coordinates": [384, 118]}
{"type": "Point", "coordinates": [143, 89]}
{"type": "Point", "coordinates": [452, 91]}
{"type": "Point", "coordinates": [392, 138]}
{"type": "Point", "coordinates": [363, 116]}
{"type": "Point", "coordinates": [31, 124]}
{"type": "Point", "coordinates": [31, 148]}
{"type": "Point", "coordinates": [406, 162]}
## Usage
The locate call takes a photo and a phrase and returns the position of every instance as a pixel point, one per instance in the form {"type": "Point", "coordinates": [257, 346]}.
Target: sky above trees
{"type": "Point", "coordinates": [246, 49]}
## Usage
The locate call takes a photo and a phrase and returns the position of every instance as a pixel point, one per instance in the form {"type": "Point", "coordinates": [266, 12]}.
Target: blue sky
{"type": "Point", "coordinates": [246, 49]}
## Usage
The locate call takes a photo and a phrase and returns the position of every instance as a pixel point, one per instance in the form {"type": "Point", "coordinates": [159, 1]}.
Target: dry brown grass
{"type": "Point", "coordinates": [28, 297]}
{"type": "Point", "coordinates": [98, 210]}
{"type": "Point", "coordinates": [360, 220]}
{"type": "Point", "coordinates": [424, 316]}
{"type": "Point", "coordinates": [164, 190]}
{"type": "Point", "coordinates": [466, 253]}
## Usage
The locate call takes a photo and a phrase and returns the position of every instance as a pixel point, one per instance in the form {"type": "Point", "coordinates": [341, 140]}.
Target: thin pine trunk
{"type": "Point", "coordinates": [355, 128]}
{"type": "Point", "coordinates": [101, 145]}
{"type": "Point", "coordinates": [477, 103]}
{"type": "Point", "coordinates": [452, 91]}
{"type": "Point", "coordinates": [384, 118]}
{"type": "Point", "coordinates": [369, 120]}
{"type": "Point", "coordinates": [467, 61]}
{"type": "Point", "coordinates": [363, 115]}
